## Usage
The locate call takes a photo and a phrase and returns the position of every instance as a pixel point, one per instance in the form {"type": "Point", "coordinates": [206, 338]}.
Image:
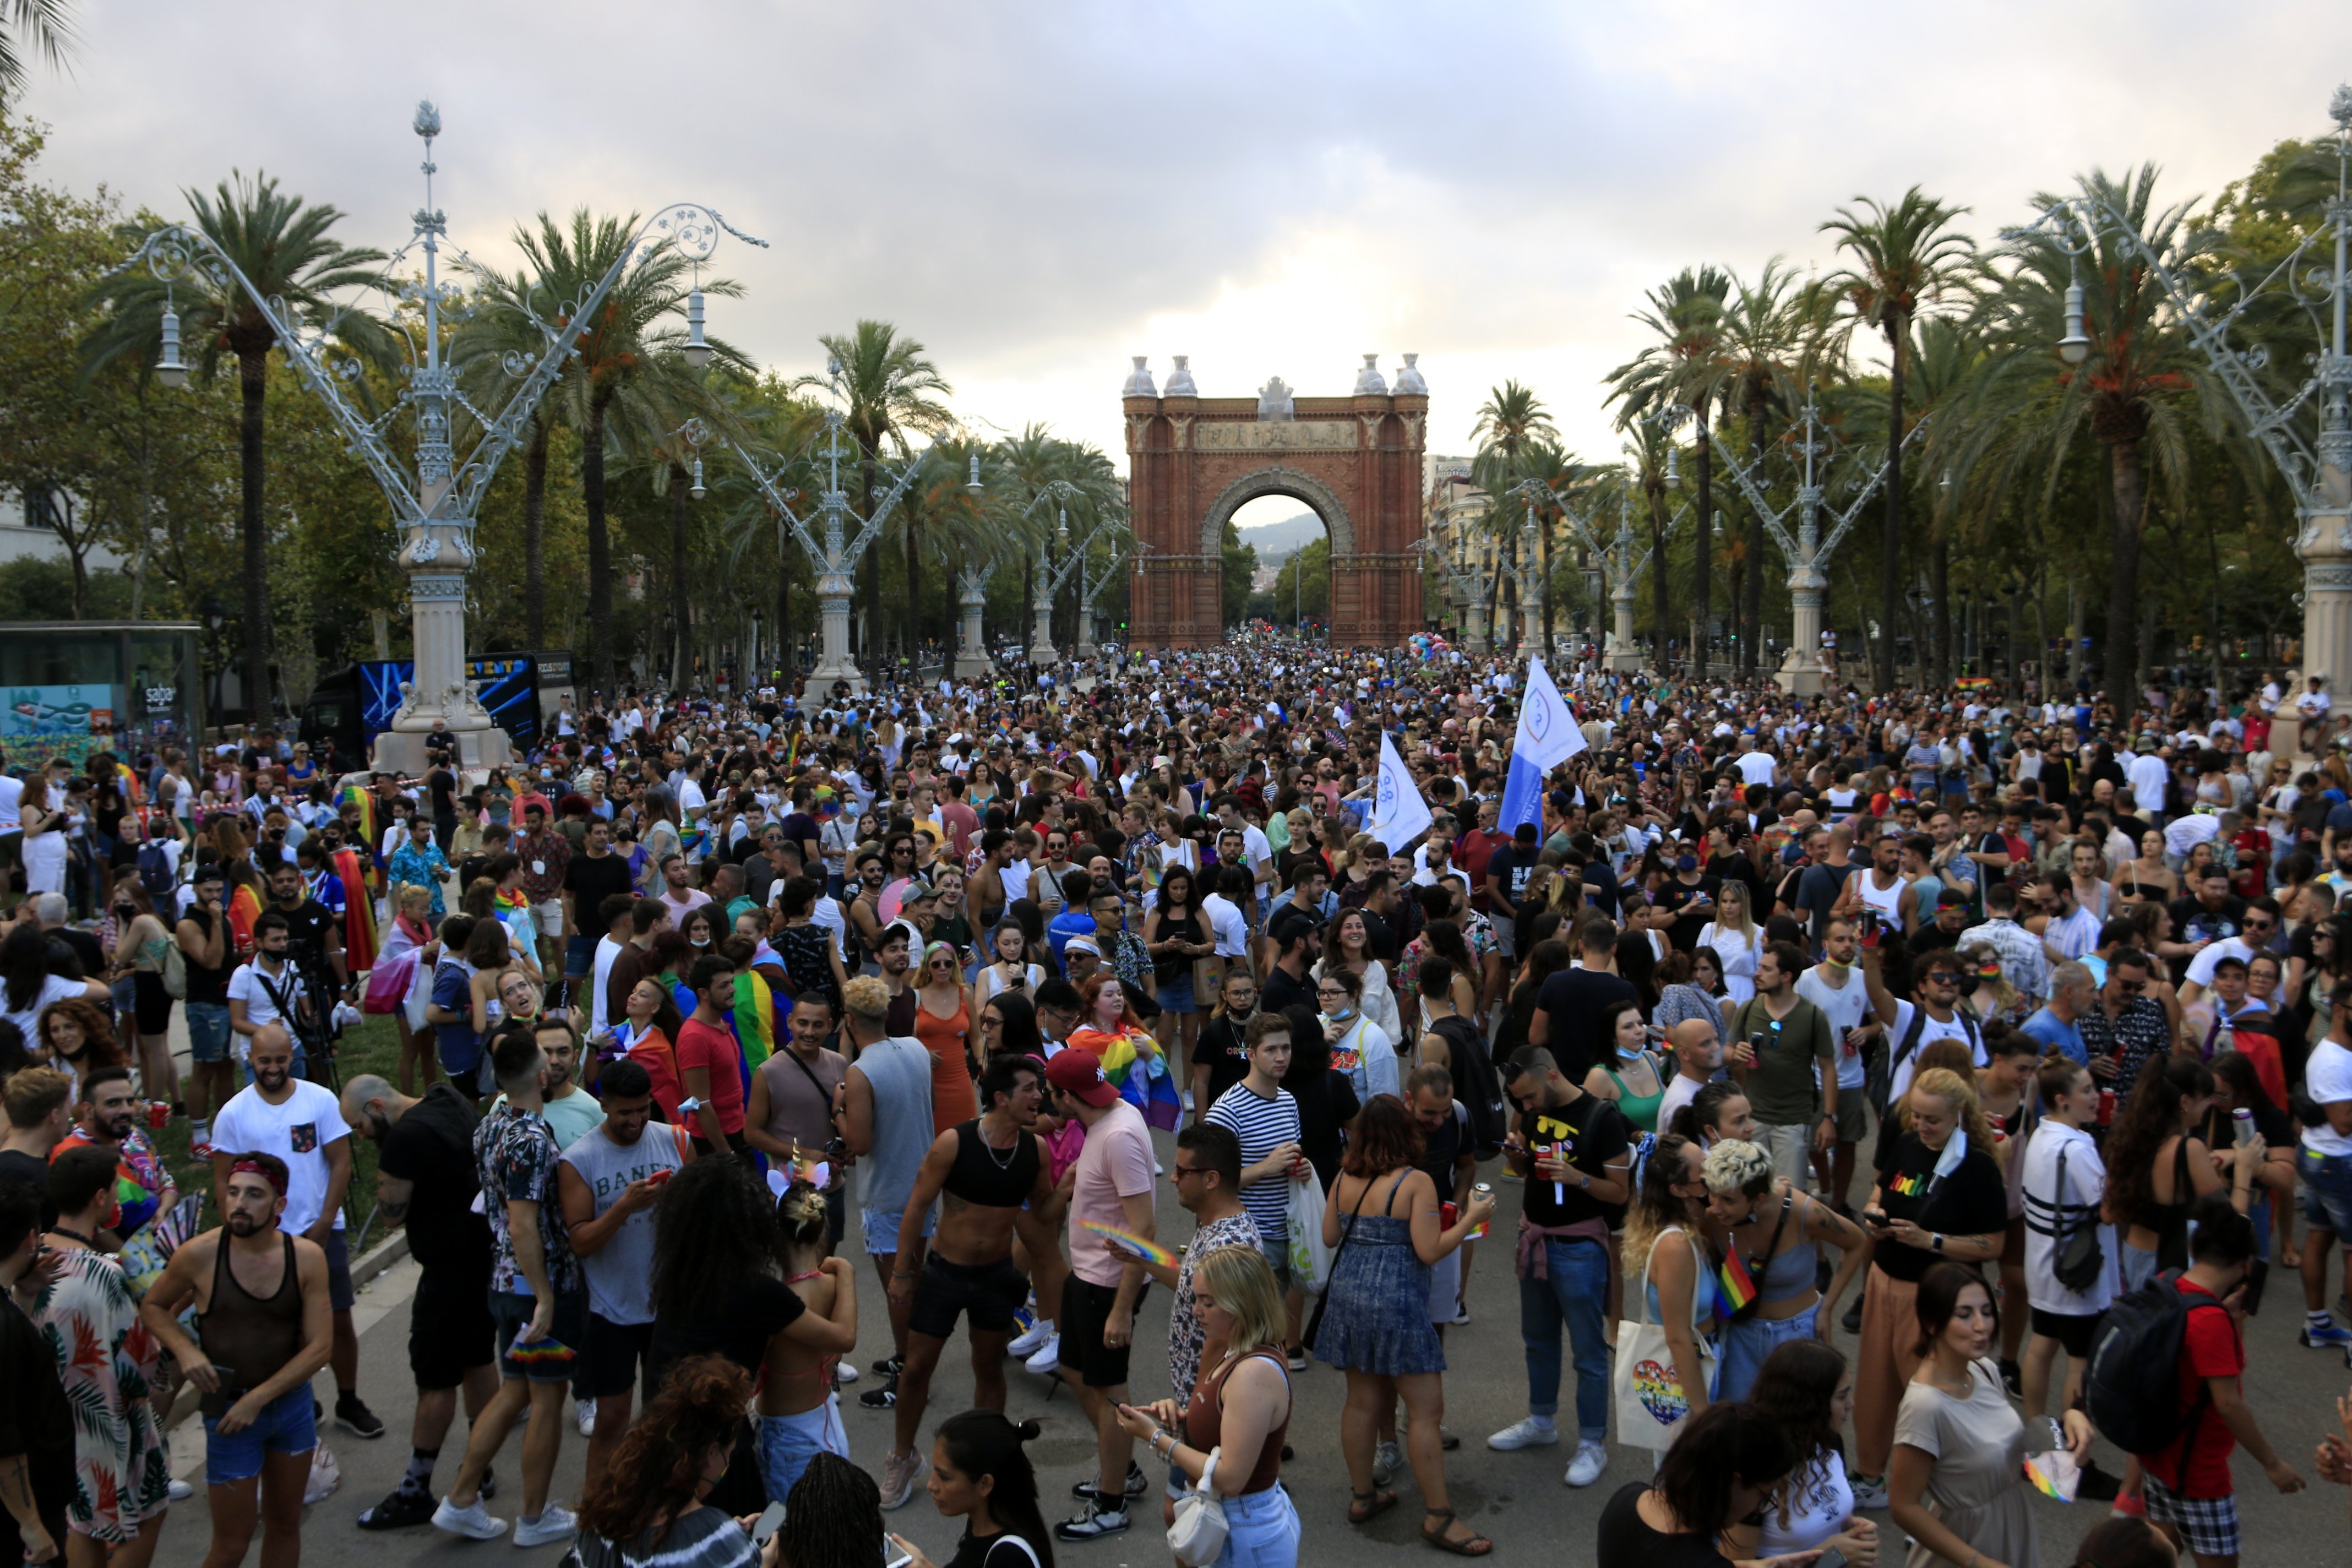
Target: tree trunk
{"type": "Point", "coordinates": [1544, 540]}
{"type": "Point", "coordinates": [2127, 482]}
{"type": "Point", "coordinates": [1662, 611]}
{"type": "Point", "coordinates": [1703, 453]}
{"type": "Point", "coordinates": [914, 590]}
{"type": "Point", "coordinates": [1735, 599]}
{"type": "Point", "coordinates": [1751, 616]}
{"type": "Point", "coordinates": [873, 566]}
{"type": "Point", "coordinates": [535, 534]}
{"type": "Point", "coordinates": [1940, 584]}
{"type": "Point", "coordinates": [785, 650]}
{"type": "Point", "coordinates": [253, 379]}
{"type": "Point", "coordinates": [681, 612]}
{"type": "Point", "coordinates": [1890, 561]}
{"type": "Point", "coordinates": [599, 551]}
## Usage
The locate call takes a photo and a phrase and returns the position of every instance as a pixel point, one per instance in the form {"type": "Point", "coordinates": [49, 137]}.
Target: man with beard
{"type": "Point", "coordinates": [424, 1179]}
{"type": "Point", "coordinates": [315, 938]}
{"type": "Point", "coordinates": [990, 1178]}
{"type": "Point", "coordinates": [893, 954]}
{"type": "Point", "coordinates": [301, 1125]}
{"type": "Point", "coordinates": [110, 1121]}
{"type": "Point", "coordinates": [262, 1300]}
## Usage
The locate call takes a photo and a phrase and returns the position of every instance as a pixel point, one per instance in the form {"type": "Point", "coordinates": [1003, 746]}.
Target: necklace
{"type": "Point", "coordinates": [88, 1241]}
{"type": "Point", "coordinates": [1004, 1161]}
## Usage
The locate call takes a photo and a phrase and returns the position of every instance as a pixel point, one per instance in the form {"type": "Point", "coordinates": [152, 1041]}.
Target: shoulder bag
{"type": "Point", "coordinates": [1648, 1387]}
{"type": "Point", "coordinates": [1197, 1539]}
{"type": "Point", "coordinates": [2077, 1260]}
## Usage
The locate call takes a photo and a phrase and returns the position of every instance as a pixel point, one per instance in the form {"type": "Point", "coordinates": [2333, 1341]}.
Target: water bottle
{"type": "Point", "coordinates": [2241, 1126]}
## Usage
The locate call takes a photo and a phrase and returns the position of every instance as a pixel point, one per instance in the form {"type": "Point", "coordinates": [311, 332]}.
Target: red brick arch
{"type": "Point", "coordinates": [1355, 461]}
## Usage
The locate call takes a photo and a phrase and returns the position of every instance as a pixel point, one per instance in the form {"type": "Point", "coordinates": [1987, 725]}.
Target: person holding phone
{"type": "Point", "coordinates": [981, 1474]}
{"type": "Point", "coordinates": [648, 1506]}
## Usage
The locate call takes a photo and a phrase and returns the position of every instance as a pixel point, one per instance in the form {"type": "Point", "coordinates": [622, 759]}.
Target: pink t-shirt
{"type": "Point", "coordinates": [1116, 1163]}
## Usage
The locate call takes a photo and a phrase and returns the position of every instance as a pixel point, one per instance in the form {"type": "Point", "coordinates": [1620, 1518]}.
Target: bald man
{"type": "Point", "coordinates": [1697, 1045]}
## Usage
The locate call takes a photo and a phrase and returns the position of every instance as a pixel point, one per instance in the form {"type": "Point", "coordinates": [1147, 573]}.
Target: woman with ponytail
{"type": "Point", "coordinates": [981, 1475]}
{"type": "Point", "coordinates": [800, 1413]}
{"type": "Point", "coordinates": [647, 1506]}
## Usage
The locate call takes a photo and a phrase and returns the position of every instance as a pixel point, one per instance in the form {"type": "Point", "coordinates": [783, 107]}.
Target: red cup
{"type": "Point", "coordinates": [159, 1114]}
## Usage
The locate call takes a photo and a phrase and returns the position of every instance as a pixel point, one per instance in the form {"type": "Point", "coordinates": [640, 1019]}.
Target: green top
{"type": "Point", "coordinates": [1780, 1087]}
{"type": "Point", "coordinates": [1641, 1109]}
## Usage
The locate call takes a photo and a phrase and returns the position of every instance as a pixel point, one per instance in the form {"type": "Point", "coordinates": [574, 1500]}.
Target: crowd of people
{"type": "Point", "coordinates": [990, 962]}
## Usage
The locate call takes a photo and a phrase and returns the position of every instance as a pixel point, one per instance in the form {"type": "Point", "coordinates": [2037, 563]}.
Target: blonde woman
{"type": "Point", "coordinates": [1736, 938]}
{"type": "Point", "coordinates": [1669, 1267]}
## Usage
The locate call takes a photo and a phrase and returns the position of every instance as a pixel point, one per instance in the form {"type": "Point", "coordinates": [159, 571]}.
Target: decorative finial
{"type": "Point", "coordinates": [1408, 383]}
{"type": "Point", "coordinates": [2340, 106]}
{"type": "Point", "coordinates": [428, 123]}
{"type": "Point", "coordinates": [1179, 380]}
{"type": "Point", "coordinates": [1139, 380]}
{"type": "Point", "coordinates": [1369, 380]}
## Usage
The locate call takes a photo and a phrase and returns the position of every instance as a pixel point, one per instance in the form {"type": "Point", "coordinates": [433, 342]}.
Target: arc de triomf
{"type": "Point", "coordinates": [1355, 461]}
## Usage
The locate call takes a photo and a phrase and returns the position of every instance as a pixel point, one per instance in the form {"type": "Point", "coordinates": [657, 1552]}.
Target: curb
{"type": "Point", "coordinates": [365, 1271]}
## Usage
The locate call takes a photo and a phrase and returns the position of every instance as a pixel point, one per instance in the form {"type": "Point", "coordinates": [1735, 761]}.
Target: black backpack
{"type": "Point", "coordinates": [2132, 1392]}
{"type": "Point", "coordinates": [155, 872]}
{"type": "Point", "coordinates": [1476, 1084]}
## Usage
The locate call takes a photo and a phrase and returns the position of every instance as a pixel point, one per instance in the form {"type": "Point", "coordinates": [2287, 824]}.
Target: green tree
{"type": "Point", "coordinates": [1302, 588]}
{"type": "Point", "coordinates": [1240, 561]}
{"type": "Point", "coordinates": [1511, 420]}
{"type": "Point", "coordinates": [891, 389]}
{"type": "Point", "coordinates": [1905, 257]}
{"type": "Point", "coordinates": [44, 26]}
{"type": "Point", "coordinates": [1686, 368]}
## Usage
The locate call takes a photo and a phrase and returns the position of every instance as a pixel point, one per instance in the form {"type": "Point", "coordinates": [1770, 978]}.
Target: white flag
{"type": "Point", "coordinates": [1398, 814]}
{"type": "Point", "coordinates": [1548, 734]}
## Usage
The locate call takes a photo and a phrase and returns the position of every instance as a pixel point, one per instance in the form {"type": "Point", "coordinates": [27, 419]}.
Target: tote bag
{"type": "Point", "coordinates": [1311, 1259]}
{"type": "Point", "coordinates": [1650, 1405]}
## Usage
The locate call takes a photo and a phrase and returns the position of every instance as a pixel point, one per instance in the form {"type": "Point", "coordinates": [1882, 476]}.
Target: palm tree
{"type": "Point", "coordinates": [45, 25]}
{"type": "Point", "coordinates": [281, 244]}
{"type": "Point", "coordinates": [1905, 256]}
{"type": "Point", "coordinates": [1511, 419]}
{"type": "Point", "coordinates": [500, 327]}
{"type": "Point", "coordinates": [1645, 471]}
{"type": "Point", "coordinates": [891, 390]}
{"type": "Point", "coordinates": [1765, 340]}
{"type": "Point", "coordinates": [1555, 468]}
{"type": "Point", "coordinates": [2134, 389]}
{"type": "Point", "coordinates": [620, 369]}
{"type": "Point", "coordinates": [1685, 368]}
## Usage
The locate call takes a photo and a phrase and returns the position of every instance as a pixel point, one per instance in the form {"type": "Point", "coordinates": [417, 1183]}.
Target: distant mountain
{"type": "Point", "coordinates": [1273, 539]}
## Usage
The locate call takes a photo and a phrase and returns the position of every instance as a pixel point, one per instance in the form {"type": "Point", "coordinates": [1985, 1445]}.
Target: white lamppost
{"type": "Point", "coordinates": [436, 492]}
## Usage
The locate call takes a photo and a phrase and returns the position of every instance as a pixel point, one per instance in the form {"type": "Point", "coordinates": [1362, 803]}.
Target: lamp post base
{"type": "Point", "coordinates": [402, 752]}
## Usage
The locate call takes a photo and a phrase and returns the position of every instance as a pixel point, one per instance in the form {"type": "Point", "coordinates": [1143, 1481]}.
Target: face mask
{"type": "Point", "coordinates": [1340, 1015]}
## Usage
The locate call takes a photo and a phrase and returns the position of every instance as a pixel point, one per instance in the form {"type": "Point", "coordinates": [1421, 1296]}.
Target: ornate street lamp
{"type": "Point", "coordinates": [435, 495]}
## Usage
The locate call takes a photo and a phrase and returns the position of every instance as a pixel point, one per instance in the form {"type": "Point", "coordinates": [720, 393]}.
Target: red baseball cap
{"type": "Point", "coordinates": [1079, 1073]}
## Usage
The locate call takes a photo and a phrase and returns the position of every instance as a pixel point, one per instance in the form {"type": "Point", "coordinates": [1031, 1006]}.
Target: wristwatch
{"type": "Point", "coordinates": [1936, 1242]}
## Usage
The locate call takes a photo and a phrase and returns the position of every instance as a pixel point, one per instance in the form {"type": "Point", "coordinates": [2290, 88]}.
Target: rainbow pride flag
{"type": "Point", "coordinates": [354, 793]}
{"type": "Point", "coordinates": [1735, 1287]}
{"type": "Point", "coordinates": [1143, 1246]}
{"type": "Point", "coordinates": [754, 1016]}
{"type": "Point", "coordinates": [359, 910]}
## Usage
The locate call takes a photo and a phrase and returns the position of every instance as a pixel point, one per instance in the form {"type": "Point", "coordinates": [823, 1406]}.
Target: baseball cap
{"type": "Point", "coordinates": [1078, 1072]}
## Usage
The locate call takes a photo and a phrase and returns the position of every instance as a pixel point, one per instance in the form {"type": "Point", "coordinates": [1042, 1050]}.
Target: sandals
{"type": "Point", "coordinates": [1370, 1505]}
{"type": "Point", "coordinates": [1473, 1546]}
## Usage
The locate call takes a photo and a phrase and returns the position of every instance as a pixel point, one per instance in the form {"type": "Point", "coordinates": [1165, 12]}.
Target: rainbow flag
{"type": "Point", "coordinates": [754, 1018]}
{"type": "Point", "coordinates": [366, 802]}
{"type": "Point", "coordinates": [1143, 1246]}
{"type": "Point", "coordinates": [244, 908]}
{"type": "Point", "coordinates": [359, 911]}
{"type": "Point", "coordinates": [1735, 1287]}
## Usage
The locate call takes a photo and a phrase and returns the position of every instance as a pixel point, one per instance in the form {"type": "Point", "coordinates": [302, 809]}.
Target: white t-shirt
{"type": "Point", "coordinates": [1755, 767]}
{"type": "Point", "coordinates": [2209, 958]}
{"type": "Point", "coordinates": [246, 986]}
{"type": "Point", "coordinates": [12, 802]}
{"type": "Point", "coordinates": [1847, 1008]}
{"type": "Point", "coordinates": [54, 988]}
{"type": "Point", "coordinates": [2050, 1214]}
{"type": "Point", "coordinates": [1930, 1032]}
{"type": "Point", "coordinates": [1225, 921]}
{"type": "Point", "coordinates": [298, 1132]}
{"type": "Point", "coordinates": [607, 950]}
{"type": "Point", "coordinates": [1680, 1091]}
{"type": "Point", "coordinates": [2327, 1079]}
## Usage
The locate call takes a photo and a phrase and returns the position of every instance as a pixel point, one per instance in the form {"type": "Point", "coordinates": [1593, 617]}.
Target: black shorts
{"type": "Point", "coordinates": [449, 1328]}
{"type": "Point", "coordinates": [1085, 1308]}
{"type": "Point", "coordinates": [944, 1292]}
{"type": "Point", "coordinates": [152, 1004]}
{"type": "Point", "coordinates": [2073, 1331]}
{"type": "Point", "coordinates": [611, 1356]}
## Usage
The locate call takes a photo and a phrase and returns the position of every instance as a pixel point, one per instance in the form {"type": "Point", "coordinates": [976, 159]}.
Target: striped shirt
{"type": "Point", "coordinates": [1262, 1126]}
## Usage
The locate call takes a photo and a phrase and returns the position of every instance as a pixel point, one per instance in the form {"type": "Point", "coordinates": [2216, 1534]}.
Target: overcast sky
{"type": "Point", "coordinates": [1037, 192]}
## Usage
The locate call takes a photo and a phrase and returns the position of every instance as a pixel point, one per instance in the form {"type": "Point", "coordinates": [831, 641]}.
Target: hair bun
{"type": "Point", "coordinates": [1030, 1428]}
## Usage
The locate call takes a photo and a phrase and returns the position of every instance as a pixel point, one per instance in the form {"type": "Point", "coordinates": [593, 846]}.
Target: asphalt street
{"type": "Point", "coordinates": [1518, 1499]}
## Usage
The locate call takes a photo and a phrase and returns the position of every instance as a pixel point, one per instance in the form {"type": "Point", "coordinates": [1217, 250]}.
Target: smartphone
{"type": "Point", "coordinates": [658, 1177]}
{"type": "Point", "coordinates": [767, 1524]}
{"type": "Point", "coordinates": [1831, 1557]}
{"type": "Point", "coordinates": [1876, 1217]}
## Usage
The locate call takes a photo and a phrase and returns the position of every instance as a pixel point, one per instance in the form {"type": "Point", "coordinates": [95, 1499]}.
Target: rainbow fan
{"type": "Point", "coordinates": [2044, 1482]}
{"type": "Point", "coordinates": [542, 1353]}
{"type": "Point", "coordinates": [1143, 1246]}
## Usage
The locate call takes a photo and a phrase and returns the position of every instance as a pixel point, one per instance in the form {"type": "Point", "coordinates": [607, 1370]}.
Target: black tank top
{"type": "Point", "coordinates": [981, 1176]}
{"type": "Point", "coordinates": [249, 1337]}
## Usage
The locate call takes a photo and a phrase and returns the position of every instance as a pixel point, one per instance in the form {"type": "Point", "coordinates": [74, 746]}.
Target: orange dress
{"type": "Point", "coordinates": [953, 1100]}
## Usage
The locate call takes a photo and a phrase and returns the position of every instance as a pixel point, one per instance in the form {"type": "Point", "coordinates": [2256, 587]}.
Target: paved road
{"type": "Point", "coordinates": [1517, 1498]}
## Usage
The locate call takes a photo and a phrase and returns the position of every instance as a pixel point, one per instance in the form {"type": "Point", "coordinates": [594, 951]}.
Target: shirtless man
{"type": "Point", "coordinates": [997, 1180]}
{"type": "Point", "coordinates": [271, 1340]}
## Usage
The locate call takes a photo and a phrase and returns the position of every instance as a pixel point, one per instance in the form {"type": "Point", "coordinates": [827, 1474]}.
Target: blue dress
{"type": "Point", "coordinates": [1376, 1312]}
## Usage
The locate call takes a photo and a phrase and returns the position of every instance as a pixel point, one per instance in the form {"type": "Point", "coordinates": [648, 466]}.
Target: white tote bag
{"type": "Point", "coordinates": [1311, 1259]}
{"type": "Point", "coordinates": [1197, 1539]}
{"type": "Point", "coordinates": [1648, 1387]}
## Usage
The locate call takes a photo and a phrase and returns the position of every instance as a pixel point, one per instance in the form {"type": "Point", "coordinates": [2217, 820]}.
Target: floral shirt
{"type": "Point", "coordinates": [1185, 1333]}
{"type": "Point", "coordinates": [425, 869]}
{"type": "Point", "coordinates": [139, 1179]}
{"type": "Point", "coordinates": [514, 1159]}
{"type": "Point", "coordinates": [106, 1359]}
{"type": "Point", "coordinates": [1131, 961]}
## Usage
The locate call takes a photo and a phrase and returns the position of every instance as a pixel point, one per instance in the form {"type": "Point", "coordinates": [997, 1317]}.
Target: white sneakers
{"type": "Point", "coordinates": [1048, 1359]}
{"type": "Point", "coordinates": [1868, 1496]}
{"type": "Point", "coordinates": [556, 1523]}
{"type": "Point", "coordinates": [1387, 1460]}
{"type": "Point", "coordinates": [584, 1416]}
{"type": "Point", "coordinates": [1534, 1432]}
{"type": "Point", "coordinates": [475, 1523]}
{"type": "Point", "coordinates": [1591, 1458]}
{"type": "Point", "coordinates": [899, 1473]}
{"type": "Point", "coordinates": [1031, 1339]}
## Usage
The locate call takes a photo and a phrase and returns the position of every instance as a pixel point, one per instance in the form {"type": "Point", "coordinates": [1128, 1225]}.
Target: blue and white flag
{"type": "Point", "coordinates": [1547, 736]}
{"type": "Point", "coordinates": [1399, 816]}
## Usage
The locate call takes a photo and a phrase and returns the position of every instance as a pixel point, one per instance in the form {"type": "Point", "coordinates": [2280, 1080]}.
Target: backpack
{"type": "Point", "coordinates": [1879, 1082]}
{"type": "Point", "coordinates": [2141, 1332]}
{"type": "Point", "coordinates": [1476, 1084]}
{"type": "Point", "coordinates": [156, 871]}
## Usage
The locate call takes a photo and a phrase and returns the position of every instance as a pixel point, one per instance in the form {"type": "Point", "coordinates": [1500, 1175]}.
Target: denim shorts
{"type": "Point", "coordinates": [881, 1229]}
{"type": "Point", "coordinates": [2327, 1189]}
{"type": "Point", "coordinates": [1261, 1530]}
{"type": "Point", "coordinates": [787, 1444]}
{"type": "Point", "coordinates": [208, 1031]}
{"type": "Point", "coordinates": [286, 1426]}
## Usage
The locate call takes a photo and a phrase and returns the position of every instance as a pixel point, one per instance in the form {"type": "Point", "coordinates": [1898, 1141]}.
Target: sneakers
{"type": "Point", "coordinates": [883, 1398]}
{"type": "Point", "coordinates": [888, 1365]}
{"type": "Point", "coordinates": [181, 1491]}
{"type": "Point", "coordinates": [1852, 1322]}
{"type": "Point", "coordinates": [1387, 1460]}
{"type": "Point", "coordinates": [1461, 1318]}
{"type": "Point", "coordinates": [353, 1415]}
{"type": "Point", "coordinates": [200, 1149]}
{"type": "Point", "coordinates": [1299, 1358]}
{"type": "Point", "coordinates": [1868, 1495]}
{"type": "Point", "coordinates": [1032, 1339]}
{"type": "Point", "coordinates": [584, 1416]}
{"type": "Point", "coordinates": [1534, 1432]}
{"type": "Point", "coordinates": [2130, 1505]}
{"type": "Point", "coordinates": [1100, 1518]}
{"type": "Point", "coordinates": [899, 1473]}
{"type": "Point", "coordinates": [2322, 1339]}
{"type": "Point", "coordinates": [555, 1523]}
{"type": "Point", "coordinates": [2096, 1485]}
{"type": "Point", "coordinates": [399, 1511]}
{"type": "Point", "coordinates": [2012, 1378]}
{"type": "Point", "coordinates": [1048, 1359]}
{"type": "Point", "coordinates": [843, 1373]}
{"type": "Point", "coordinates": [1591, 1458]}
{"type": "Point", "coordinates": [475, 1523]}
{"type": "Point", "coordinates": [1136, 1485]}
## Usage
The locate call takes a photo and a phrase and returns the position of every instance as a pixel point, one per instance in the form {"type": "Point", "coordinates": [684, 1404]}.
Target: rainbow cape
{"type": "Point", "coordinates": [366, 803]}
{"type": "Point", "coordinates": [359, 911]}
{"type": "Point", "coordinates": [1735, 1286]}
{"type": "Point", "coordinates": [754, 1018]}
{"type": "Point", "coordinates": [244, 908]}
{"type": "Point", "coordinates": [1143, 1246]}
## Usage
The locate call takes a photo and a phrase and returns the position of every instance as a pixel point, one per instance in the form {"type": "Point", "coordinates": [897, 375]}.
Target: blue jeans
{"type": "Point", "coordinates": [1747, 1343]}
{"type": "Point", "coordinates": [1261, 1530]}
{"type": "Point", "coordinates": [2326, 1190]}
{"type": "Point", "coordinates": [1574, 1293]}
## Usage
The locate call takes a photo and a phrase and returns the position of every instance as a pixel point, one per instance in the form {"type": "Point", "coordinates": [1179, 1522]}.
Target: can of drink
{"type": "Point", "coordinates": [159, 1114]}
{"type": "Point", "coordinates": [1479, 1190]}
{"type": "Point", "coordinates": [2107, 1108]}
